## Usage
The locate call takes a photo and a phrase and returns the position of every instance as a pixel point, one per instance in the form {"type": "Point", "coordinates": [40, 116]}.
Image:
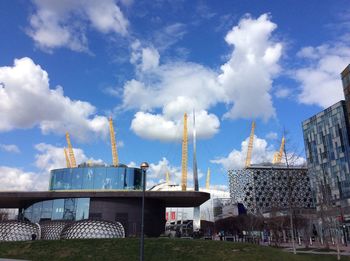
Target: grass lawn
{"type": "Point", "coordinates": [155, 249]}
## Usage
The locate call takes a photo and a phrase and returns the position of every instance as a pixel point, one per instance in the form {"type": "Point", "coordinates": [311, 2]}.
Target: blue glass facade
{"type": "Point", "coordinates": [327, 150]}
{"type": "Point", "coordinates": [96, 178]}
{"type": "Point", "coordinates": [81, 178]}
{"type": "Point", "coordinates": [58, 209]}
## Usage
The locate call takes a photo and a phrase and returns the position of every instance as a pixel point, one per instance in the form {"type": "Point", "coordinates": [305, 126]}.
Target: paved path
{"type": "Point", "coordinates": [315, 252]}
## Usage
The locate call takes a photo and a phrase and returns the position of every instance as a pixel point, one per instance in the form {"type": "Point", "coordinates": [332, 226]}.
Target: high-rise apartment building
{"type": "Point", "coordinates": [327, 148]}
{"type": "Point", "coordinates": [327, 153]}
{"type": "Point", "coordinates": [345, 76]}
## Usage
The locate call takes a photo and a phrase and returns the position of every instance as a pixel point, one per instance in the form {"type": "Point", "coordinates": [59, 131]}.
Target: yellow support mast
{"type": "Point", "coordinates": [71, 153]}
{"type": "Point", "coordinates": [113, 143]}
{"type": "Point", "coordinates": [277, 157]}
{"type": "Point", "coordinates": [167, 177]}
{"type": "Point", "coordinates": [184, 155]}
{"type": "Point", "coordinates": [280, 154]}
{"type": "Point", "coordinates": [67, 158]}
{"type": "Point", "coordinates": [250, 146]}
{"type": "Point", "coordinates": [207, 183]}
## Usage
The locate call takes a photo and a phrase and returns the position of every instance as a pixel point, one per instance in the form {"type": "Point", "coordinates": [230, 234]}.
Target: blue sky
{"type": "Point", "coordinates": [69, 65]}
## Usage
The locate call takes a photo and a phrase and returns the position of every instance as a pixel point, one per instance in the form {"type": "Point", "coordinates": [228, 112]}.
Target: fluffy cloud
{"type": "Point", "coordinates": [320, 80]}
{"type": "Point", "coordinates": [48, 157]}
{"type": "Point", "coordinates": [51, 157]}
{"type": "Point", "coordinates": [152, 126]}
{"type": "Point", "coordinates": [248, 75]}
{"type": "Point", "coordinates": [173, 88]}
{"type": "Point", "coordinates": [27, 101]}
{"type": "Point", "coordinates": [157, 171]}
{"type": "Point", "coordinates": [63, 23]}
{"type": "Point", "coordinates": [272, 135]}
{"type": "Point", "coordinates": [283, 92]}
{"type": "Point", "coordinates": [261, 153]}
{"type": "Point", "coordinates": [9, 148]}
{"type": "Point", "coordinates": [17, 179]}
{"type": "Point", "coordinates": [145, 58]}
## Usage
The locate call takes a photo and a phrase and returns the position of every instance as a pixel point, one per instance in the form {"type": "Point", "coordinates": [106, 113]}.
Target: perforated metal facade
{"type": "Point", "coordinates": [13, 230]}
{"type": "Point", "coordinates": [93, 229]}
{"type": "Point", "coordinates": [265, 189]}
{"type": "Point", "coordinates": [51, 230]}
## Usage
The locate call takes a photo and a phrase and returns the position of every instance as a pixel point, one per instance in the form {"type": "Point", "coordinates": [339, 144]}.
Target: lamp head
{"type": "Point", "coordinates": [144, 166]}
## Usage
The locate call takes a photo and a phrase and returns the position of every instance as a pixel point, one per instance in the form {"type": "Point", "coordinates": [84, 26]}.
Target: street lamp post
{"type": "Point", "coordinates": [144, 166]}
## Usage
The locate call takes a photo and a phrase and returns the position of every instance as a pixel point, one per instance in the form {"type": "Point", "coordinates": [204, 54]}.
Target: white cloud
{"type": "Point", "coordinates": [248, 75]}
{"type": "Point", "coordinates": [28, 101]}
{"type": "Point", "coordinates": [9, 148]}
{"type": "Point", "coordinates": [157, 126]}
{"type": "Point", "coordinates": [17, 179]}
{"type": "Point", "coordinates": [120, 144]}
{"type": "Point", "coordinates": [283, 92]}
{"type": "Point", "coordinates": [320, 80]}
{"type": "Point", "coordinates": [157, 171]}
{"type": "Point", "coordinates": [261, 153]}
{"type": "Point", "coordinates": [167, 36]}
{"type": "Point", "coordinates": [63, 23]}
{"type": "Point", "coordinates": [145, 58]}
{"type": "Point", "coordinates": [272, 135]}
{"type": "Point", "coordinates": [178, 87]}
{"type": "Point", "coordinates": [52, 157]}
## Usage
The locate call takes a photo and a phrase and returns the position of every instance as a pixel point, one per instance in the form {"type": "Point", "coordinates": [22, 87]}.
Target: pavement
{"type": "Point", "coordinates": [318, 248]}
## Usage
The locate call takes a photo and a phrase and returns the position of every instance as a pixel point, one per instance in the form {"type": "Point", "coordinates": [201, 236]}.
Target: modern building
{"type": "Point", "coordinates": [326, 138]}
{"type": "Point", "coordinates": [345, 76]}
{"type": "Point", "coordinates": [327, 147]}
{"type": "Point", "coordinates": [264, 189]}
{"type": "Point", "coordinates": [100, 193]}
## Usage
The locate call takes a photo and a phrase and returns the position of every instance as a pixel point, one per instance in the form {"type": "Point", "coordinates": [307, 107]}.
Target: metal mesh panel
{"type": "Point", "coordinates": [13, 230]}
{"type": "Point", "coordinates": [93, 229]}
{"type": "Point", "coordinates": [51, 230]}
{"type": "Point", "coordinates": [263, 190]}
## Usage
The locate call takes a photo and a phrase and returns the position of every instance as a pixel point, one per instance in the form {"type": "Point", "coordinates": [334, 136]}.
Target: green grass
{"type": "Point", "coordinates": [155, 249]}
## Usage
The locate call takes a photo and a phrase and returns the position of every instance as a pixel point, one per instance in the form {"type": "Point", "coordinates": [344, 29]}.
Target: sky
{"type": "Point", "coordinates": [70, 65]}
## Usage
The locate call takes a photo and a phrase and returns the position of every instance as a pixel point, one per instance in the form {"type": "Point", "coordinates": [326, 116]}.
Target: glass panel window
{"type": "Point", "coordinates": [69, 209]}
{"type": "Point", "coordinates": [82, 210]}
{"type": "Point", "coordinates": [57, 209]}
{"type": "Point", "coordinates": [111, 178]}
{"type": "Point", "coordinates": [46, 210]}
{"type": "Point", "coordinates": [88, 178]}
{"type": "Point", "coordinates": [67, 179]}
{"type": "Point", "coordinates": [57, 183]}
{"type": "Point", "coordinates": [77, 178]}
{"type": "Point", "coordinates": [99, 178]}
{"type": "Point", "coordinates": [36, 212]}
{"type": "Point", "coordinates": [121, 178]}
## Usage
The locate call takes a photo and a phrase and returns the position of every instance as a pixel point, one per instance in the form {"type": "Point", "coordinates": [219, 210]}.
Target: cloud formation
{"type": "Point", "coordinates": [64, 23]}
{"type": "Point", "coordinates": [248, 74]}
{"type": "Point", "coordinates": [17, 179]}
{"type": "Point", "coordinates": [262, 153]}
{"type": "Point", "coordinates": [157, 171]}
{"type": "Point", "coordinates": [27, 101]}
{"type": "Point", "coordinates": [162, 92]}
{"type": "Point", "coordinates": [51, 157]}
{"type": "Point", "coordinates": [320, 80]}
{"type": "Point", "coordinates": [9, 148]}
